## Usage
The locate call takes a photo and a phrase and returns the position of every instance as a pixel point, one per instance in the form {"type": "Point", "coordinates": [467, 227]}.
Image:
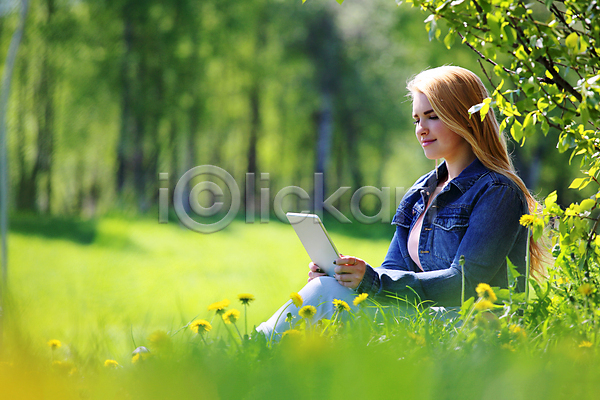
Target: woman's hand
{"type": "Point", "coordinates": [315, 271]}
{"type": "Point", "coordinates": [350, 271]}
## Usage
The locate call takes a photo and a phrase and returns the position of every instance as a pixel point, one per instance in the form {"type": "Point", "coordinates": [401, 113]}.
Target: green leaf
{"type": "Point", "coordinates": [571, 42]}
{"type": "Point", "coordinates": [516, 131]}
{"type": "Point", "coordinates": [587, 204]}
{"type": "Point", "coordinates": [450, 38]}
{"type": "Point", "coordinates": [513, 274]}
{"type": "Point", "coordinates": [551, 199]}
{"type": "Point", "coordinates": [545, 126]}
{"type": "Point", "coordinates": [577, 182]}
{"type": "Point", "coordinates": [464, 310]}
{"type": "Point", "coordinates": [575, 44]}
{"type": "Point", "coordinates": [521, 54]}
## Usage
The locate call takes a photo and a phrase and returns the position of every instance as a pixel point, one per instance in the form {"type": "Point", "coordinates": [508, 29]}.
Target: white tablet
{"type": "Point", "coordinates": [316, 241]}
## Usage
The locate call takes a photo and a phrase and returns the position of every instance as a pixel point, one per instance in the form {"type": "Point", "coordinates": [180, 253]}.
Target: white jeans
{"type": "Point", "coordinates": [320, 293]}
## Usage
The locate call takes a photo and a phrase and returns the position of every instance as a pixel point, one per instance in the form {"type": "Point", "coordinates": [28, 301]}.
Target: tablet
{"type": "Point", "coordinates": [316, 241]}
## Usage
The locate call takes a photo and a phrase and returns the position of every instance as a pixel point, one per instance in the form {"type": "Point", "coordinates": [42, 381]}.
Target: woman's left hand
{"type": "Point", "coordinates": [350, 271]}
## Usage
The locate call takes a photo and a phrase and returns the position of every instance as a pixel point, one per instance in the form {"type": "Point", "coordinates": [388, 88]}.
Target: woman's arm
{"type": "Point", "coordinates": [492, 232]}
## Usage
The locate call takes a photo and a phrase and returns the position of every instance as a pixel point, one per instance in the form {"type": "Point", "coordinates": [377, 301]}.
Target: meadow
{"type": "Point", "coordinates": [84, 294]}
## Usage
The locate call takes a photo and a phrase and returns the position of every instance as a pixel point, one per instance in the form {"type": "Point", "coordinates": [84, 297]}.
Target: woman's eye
{"type": "Point", "coordinates": [433, 117]}
{"type": "Point", "coordinates": [416, 121]}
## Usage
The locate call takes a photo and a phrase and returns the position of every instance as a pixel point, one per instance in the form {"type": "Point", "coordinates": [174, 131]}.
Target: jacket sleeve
{"type": "Point", "coordinates": [493, 230]}
{"type": "Point", "coordinates": [393, 258]}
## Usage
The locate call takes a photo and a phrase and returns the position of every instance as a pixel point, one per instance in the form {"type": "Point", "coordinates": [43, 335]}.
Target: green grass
{"type": "Point", "coordinates": [93, 284]}
{"type": "Point", "coordinates": [103, 287]}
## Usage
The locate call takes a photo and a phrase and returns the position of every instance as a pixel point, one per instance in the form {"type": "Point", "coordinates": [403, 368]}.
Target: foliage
{"type": "Point", "coordinates": [106, 94]}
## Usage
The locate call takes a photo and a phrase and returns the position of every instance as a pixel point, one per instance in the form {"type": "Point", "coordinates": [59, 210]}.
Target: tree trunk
{"type": "Point", "coordinates": [42, 170]}
{"type": "Point", "coordinates": [323, 47]}
{"type": "Point", "coordinates": [324, 132]}
{"type": "Point", "coordinates": [129, 153]}
{"type": "Point", "coordinates": [4, 97]}
{"type": "Point", "coordinates": [26, 187]}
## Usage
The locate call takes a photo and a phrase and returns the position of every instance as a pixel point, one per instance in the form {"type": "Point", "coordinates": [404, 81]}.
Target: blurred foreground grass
{"type": "Point", "coordinates": [97, 284]}
{"type": "Point", "coordinates": [104, 287]}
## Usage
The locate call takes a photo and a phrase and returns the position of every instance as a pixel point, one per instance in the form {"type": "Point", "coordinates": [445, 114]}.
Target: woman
{"type": "Point", "coordinates": [467, 209]}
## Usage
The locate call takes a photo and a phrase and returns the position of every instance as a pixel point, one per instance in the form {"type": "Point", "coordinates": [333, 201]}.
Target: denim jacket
{"type": "Point", "coordinates": [476, 216]}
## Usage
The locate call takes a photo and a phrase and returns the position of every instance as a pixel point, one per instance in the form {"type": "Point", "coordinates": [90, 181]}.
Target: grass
{"type": "Point", "coordinates": [102, 288]}
{"type": "Point", "coordinates": [126, 277]}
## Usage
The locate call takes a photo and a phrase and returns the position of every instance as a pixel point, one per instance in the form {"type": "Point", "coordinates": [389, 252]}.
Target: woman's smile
{"type": "Point", "coordinates": [427, 142]}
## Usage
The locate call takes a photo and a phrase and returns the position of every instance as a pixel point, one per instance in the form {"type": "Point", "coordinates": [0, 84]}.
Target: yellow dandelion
{"type": "Point", "coordinates": [245, 298]}
{"type": "Point", "coordinates": [292, 334]}
{"type": "Point", "coordinates": [200, 326]}
{"type": "Point", "coordinates": [231, 316]}
{"type": "Point", "coordinates": [420, 340]}
{"type": "Point", "coordinates": [507, 346]}
{"type": "Point", "coordinates": [586, 289]}
{"type": "Point", "coordinates": [54, 344]}
{"type": "Point", "coordinates": [485, 292]}
{"type": "Point", "coordinates": [297, 299]}
{"type": "Point", "coordinates": [585, 343]}
{"type": "Point", "coordinates": [111, 364]}
{"type": "Point", "coordinates": [517, 331]}
{"type": "Point", "coordinates": [341, 305]}
{"type": "Point", "coordinates": [219, 306]}
{"type": "Point", "coordinates": [561, 281]}
{"type": "Point", "coordinates": [160, 340]}
{"type": "Point", "coordinates": [527, 220]}
{"type": "Point", "coordinates": [360, 298]}
{"type": "Point", "coordinates": [307, 312]}
{"type": "Point", "coordinates": [139, 357]}
{"type": "Point", "coordinates": [482, 305]}
{"type": "Point", "coordinates": [140, 353]}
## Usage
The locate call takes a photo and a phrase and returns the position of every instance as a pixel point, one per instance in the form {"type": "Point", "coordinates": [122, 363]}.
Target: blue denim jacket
{"type": "Point", "coordinates": [476, 216]}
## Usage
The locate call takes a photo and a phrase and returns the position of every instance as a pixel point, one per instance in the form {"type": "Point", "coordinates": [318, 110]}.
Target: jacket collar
{"type": "Point", "coordinates": [469, 175]}
{"type": "Point", "coordinates": [464, 180]}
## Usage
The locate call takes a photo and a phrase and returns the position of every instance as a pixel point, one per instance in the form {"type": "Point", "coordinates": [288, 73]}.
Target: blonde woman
{"type": "Point", "coordinates": [467, 208]}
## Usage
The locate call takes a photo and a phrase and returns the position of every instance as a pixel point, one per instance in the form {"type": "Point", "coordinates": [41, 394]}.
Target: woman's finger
{"type": "Point", "coordinates": [346, 260]}
{"type": "Point", "coordinates": [314, 267]}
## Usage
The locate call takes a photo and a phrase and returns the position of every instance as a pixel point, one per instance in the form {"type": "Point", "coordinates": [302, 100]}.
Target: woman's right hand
{"type": "Point", "coordinates": [315, 271]}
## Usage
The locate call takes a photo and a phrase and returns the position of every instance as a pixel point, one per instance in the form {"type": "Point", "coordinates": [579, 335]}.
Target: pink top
{"type": "Point", "coordinates": [415, 232]}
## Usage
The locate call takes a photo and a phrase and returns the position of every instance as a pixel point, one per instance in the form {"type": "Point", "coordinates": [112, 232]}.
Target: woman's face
{"type": "Point", "coordinates": [437, 140]}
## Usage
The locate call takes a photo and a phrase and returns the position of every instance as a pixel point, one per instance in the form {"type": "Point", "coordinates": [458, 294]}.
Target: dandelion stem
{"type": "Point", "coordinates": [204, 340]}
{"type": "Point", "coordinates": [277, 320]}
{"type": "Point", "coordinates": [230, 334]}
{"type": "Point", "coordinates": [246, 319]}
{"type": "Point", "coordinates": [527, 261]}
{"type": "Point", "coordinates": [462, 273]}
{"type": "Point", "coordinates": [132, 338]}
{"type": "Point", "coordinates": [238, 331]}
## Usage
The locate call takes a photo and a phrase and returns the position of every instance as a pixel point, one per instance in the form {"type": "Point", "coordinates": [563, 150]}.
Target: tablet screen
{"type": "Point", "coordinates": [315, 240]}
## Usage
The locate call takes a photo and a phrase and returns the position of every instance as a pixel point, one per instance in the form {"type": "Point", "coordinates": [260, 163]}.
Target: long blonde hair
{"type": "Point", "coordinates": [451, 91]}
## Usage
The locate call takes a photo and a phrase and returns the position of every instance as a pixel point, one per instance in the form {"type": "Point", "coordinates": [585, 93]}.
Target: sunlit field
{"type": "Point", "coordinates": [99, 286]}
{"type": "Point", "coordinates": [85, 295]}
